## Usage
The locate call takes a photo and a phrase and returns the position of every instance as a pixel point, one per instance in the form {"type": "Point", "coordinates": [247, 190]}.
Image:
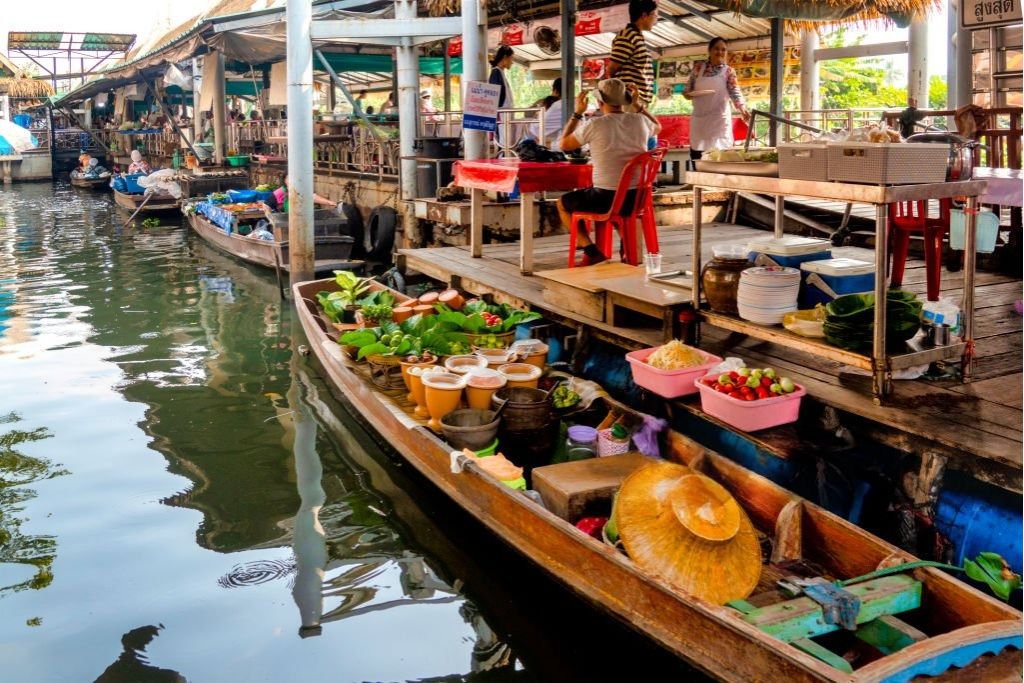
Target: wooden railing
{"type": "Point", "coordinates": [1000, 135]}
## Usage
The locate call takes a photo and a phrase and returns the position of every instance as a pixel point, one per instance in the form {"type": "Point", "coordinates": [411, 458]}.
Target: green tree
{"type": "Point", "coordinates": [937, 92]}
{"type": "Point", "coordinates": [857, 82]}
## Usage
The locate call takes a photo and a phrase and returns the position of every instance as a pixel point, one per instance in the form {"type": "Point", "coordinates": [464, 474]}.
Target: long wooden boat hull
{"type": "Point", "coordinates": [91, 183]}
{"type": "Point", "coordinates": [708, 636]}
{"type": "Point", "coordinates": [327, 249]}
{"type": "Point", "coordinates": [158, 203]}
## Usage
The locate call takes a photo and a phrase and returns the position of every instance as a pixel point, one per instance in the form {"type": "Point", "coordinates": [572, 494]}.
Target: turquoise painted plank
{"type": "Point", "coordinates": [822, 653]}
{"type": "Point", "coordinates": [803, 618]}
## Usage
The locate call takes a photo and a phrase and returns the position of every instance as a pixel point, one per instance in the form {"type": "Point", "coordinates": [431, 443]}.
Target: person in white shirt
{"type": "Point", "coordinates": [614, 139]}
{"type": "Point", "coordinates": [552, 118]}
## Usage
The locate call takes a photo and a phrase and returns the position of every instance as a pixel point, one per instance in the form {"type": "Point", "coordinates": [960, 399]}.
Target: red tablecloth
{"type": "Point", "coordinates": [675, 130]}
{"type": "Point", "coordinates": [500, 175]}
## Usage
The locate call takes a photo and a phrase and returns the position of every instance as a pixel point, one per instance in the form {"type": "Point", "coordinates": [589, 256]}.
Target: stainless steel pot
{"type": "Point", "coordinates": [961, 152]}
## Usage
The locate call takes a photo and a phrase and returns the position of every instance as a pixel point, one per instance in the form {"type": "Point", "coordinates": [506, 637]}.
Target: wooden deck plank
{"type": "Point", "coordinates": [987, 422]}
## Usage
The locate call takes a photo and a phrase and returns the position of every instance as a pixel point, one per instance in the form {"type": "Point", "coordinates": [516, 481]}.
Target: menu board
{"type": "Point", "coordinates": [752, 67]}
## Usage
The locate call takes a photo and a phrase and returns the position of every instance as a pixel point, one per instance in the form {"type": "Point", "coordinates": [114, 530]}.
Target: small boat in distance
{"type": "Point", "coordinates": [95, 182]}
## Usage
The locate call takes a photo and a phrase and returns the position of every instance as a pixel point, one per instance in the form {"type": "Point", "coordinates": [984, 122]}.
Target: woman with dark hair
{"type": "Point", "coordinates": [712, 86]}
{"type": "Point", "coordinates": [501, 62]}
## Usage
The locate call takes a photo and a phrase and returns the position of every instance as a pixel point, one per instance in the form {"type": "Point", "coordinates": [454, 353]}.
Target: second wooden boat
{"type": "Point", "coordinates": [916, 622]}
{"type": "Point", "coordinates": [131, 202]}
{"type": "Point", "coordinates": [331, 251]}
{"type": "Point", "coordinates": [91, 182]}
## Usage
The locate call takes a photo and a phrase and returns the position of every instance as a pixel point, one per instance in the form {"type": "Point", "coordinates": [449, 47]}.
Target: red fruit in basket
{"type": "Point", "coordinates": [763, 393]}
{"type": "Point", "coordinates": [734, 376]}
{"type": "Point", "coordinates": [767, 381]}
{"type": "Point", "coordinates": [724, 388]}
{"type": "Point", "coordinates": [749, 397]}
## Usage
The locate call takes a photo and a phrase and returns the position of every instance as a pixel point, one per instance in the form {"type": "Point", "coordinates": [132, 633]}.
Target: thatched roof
{"type": "Point", "coordinates": [812, 14]}
{"type": "Point", "coordinates": [25, 87]}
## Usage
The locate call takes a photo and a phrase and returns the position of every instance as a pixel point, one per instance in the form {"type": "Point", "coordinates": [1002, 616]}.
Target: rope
{"type": "Point", "coordinates": [898, 569]}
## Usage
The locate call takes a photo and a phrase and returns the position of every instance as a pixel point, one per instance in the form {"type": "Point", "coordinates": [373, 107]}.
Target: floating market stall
{"type": "Point", "coordinates": [603, 498]}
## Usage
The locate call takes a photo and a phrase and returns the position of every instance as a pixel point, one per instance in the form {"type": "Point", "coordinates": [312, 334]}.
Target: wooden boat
{"type": "Point", "coordinates": [131, 202]}
{"type": "Point", "coordinates": [953, 625]}
{"type": "Point", "coordinates": [331, 251]}
{"type": "Point", "coordinates": [94, 183]}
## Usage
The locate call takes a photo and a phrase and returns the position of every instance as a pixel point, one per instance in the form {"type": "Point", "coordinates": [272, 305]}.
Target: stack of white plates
{"type": "Point", "coordinates": [766, 294]}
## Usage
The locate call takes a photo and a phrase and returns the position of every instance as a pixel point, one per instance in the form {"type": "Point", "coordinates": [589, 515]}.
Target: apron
{"type": "Point", "coordinates": [711, 124]}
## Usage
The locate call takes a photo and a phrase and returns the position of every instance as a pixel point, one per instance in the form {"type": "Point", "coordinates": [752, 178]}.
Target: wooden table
{"type": "Point", "coordinates": [501, 175]}
{"type": "Point", "coordinates": [677, 156]}
{"type": "Point", "coordinates": [879, 362]}
{"type": "Point", "coordinates": [639, 294]}
{"type": "Point", "coordinates": [1005, 186]}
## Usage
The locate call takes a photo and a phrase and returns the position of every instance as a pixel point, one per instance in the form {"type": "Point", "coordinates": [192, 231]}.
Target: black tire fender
{"type": "Point", "coordinates": [354, 226]}
{"type": "Point", "coordinates": [379, 237]}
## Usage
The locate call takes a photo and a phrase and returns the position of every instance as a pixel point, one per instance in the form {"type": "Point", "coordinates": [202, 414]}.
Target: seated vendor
{"type": "Point", "coordinates": [94, 168]}
{"type": "Point", "coordinates": [83, 162]}
{"type": "Point", "coordinates": [138, 164]}
{"type": "Point", "coordinates": [552, 116]}
{"type": "Point", "coordinates": [614, 139]}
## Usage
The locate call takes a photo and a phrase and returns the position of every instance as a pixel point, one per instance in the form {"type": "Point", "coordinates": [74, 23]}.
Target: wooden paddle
{"type": "Point", "coordinates": [144, 202]}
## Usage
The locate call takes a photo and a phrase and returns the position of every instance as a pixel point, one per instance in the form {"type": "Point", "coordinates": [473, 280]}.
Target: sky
{"type": "Point", "coordinates": [143, 17]}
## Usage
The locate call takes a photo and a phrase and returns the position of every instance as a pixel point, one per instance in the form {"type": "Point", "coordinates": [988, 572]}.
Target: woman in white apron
{"type": "Point", "coordinates": [712, 86]}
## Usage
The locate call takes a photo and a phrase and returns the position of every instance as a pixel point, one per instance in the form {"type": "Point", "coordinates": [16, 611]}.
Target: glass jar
{"type": "Point", "coordinates": [582, 443]}
{"type": "Point", "coordinates": [720, 278]}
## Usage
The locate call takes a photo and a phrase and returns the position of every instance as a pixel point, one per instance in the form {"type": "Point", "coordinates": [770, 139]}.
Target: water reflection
{"type": "Point", "coordinates": [132, 665]}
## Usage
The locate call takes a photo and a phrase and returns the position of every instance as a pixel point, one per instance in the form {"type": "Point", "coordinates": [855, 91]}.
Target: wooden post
{"type": "Point", "coordinates": [407, 64]}
{"type": "Point", "coordinates": [170, 117]}
{"type": "Point", "coordinates": [447, 80]}
{"type": "Point", "coordinates": [197, 116]}
{"type": "Point", "coordinates": [776, 77]}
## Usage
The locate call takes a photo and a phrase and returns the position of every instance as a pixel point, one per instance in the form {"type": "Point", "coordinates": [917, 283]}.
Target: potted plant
{"type": "Point", "coordinates": [376, 308]}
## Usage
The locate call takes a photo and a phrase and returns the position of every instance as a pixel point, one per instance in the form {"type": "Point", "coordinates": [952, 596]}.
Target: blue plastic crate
{"type": "Point", "coordinates": [132, 184]}
{"type": "Point", "coordinates": [242, 195]}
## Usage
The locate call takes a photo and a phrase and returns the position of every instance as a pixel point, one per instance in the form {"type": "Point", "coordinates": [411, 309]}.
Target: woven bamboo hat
{"type": "Point", "coordinates": [690, 531]}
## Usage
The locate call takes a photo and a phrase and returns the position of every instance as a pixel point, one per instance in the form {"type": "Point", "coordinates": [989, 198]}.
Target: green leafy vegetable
{"type": "Point", "coordinates": [151, 223]}
{"type": "Point", "coordinates": [992, 570]}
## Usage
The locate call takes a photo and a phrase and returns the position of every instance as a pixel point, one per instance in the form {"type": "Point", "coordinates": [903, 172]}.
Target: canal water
{"type": "Point", "coordinates": [181, 498]}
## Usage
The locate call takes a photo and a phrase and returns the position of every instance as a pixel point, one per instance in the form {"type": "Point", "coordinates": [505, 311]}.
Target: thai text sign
{"type": "Point", "coordinates": [480, 108]}
{"type": "Point", "coordinates": [985, 13]}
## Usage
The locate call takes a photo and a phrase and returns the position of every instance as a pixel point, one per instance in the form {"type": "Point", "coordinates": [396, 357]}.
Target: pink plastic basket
{"type": "Point", "coordinates": [750, 416]}
{"type": "Point", "coordinates": [668, 383]}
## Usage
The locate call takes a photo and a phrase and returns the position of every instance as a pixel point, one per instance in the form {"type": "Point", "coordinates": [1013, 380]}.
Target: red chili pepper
{"type": "Point", "coordinates": [592, 526]}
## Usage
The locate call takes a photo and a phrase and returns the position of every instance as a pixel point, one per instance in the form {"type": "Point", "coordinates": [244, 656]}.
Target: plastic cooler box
{"type": "Point", "coordinates": [789, 251]}
{"type": "Point", "coordinates": [750, 416]}
{"type": "Point", "coordinates": [131, 183]}
{"type": "Point", "coordinates": [668, 383]}
{"type": "Point", "coordinates": [841, 275]}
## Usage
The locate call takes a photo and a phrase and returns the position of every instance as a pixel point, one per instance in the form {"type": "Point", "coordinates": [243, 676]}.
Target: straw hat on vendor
{"type": "Point", "coordinates": [689, 530]}
{"type": "Point", "coordinates": [138, 164]}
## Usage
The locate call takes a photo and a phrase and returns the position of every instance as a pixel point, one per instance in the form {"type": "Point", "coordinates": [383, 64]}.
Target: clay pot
{"type": "Point", "coordinates": [460, 365]}
{"type": "Point", "coordinates": [523, 375]}
{"type": "Point", "coordinates": [481, 385]}
{"type": "Point", "coordinates": [451, 298]}
{"type": "Point", "coordinates": [405, 376]}
{"type": "Point", "coordinates": [422, 309]}
{"type": "Point", "coordinates": [417, 392]}
{"type": "Point", "coordinates": [720, 281]}
{"type": "Point", "coordinates": [429, 298]}
{"type": "Point", "coordinates": [401, 313]}
{"type": "Point", "coordinates": [495, 357]}
{"type": "Point", "coordinates": [443, 392]}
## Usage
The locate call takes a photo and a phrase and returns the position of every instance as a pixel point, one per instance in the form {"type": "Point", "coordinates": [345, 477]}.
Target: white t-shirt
{"type": "Point", "coordinates": [614, 140]}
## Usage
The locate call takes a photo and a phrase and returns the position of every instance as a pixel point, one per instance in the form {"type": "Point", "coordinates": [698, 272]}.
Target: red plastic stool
{"type": "Point", "coordinates": [912, 217]}
{"type": "Point", "coordinates": [644, 167]}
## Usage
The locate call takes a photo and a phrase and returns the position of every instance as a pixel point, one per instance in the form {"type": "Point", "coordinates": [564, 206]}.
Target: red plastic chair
{"type": "Point", "coordinates": [912, 217]}
{"type": "Point", "coordinates": [644, 167]}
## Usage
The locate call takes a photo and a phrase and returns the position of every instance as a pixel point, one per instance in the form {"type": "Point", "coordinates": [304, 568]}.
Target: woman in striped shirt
{"type": "Point", "coordinates": [631, 60]}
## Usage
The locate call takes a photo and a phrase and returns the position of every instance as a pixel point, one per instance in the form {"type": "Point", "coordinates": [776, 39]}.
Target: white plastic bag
{"type": "Point", "coordinates": [728, 365]}
{"type": "Point", "coordinates": [161, 181]}
{"type": "Point", "coordinates": [943, 311]}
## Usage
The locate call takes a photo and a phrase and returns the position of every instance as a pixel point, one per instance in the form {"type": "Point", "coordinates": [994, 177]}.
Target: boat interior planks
{"type": "Point", "coordinates": [959, 625]}
{"type": "Point", "coordinates": [986, 423]}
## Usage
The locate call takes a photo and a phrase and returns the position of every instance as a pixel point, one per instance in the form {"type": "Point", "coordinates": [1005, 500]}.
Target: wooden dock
{"type": "Point", "coordinates": [976, 426]}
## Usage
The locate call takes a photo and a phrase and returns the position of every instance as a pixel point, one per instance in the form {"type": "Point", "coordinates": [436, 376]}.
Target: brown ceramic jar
{"type": "Point", "coordinates": [720, 280]}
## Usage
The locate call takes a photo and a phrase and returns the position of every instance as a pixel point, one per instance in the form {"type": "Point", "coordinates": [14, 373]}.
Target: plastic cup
{"type": "Point", "coordinates": [652, 264]}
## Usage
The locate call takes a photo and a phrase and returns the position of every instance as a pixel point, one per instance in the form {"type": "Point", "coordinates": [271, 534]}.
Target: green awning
{"type": "Point", "coordinates": [246, 88]}
{"type": "Point", "coordinates": [385, 64]}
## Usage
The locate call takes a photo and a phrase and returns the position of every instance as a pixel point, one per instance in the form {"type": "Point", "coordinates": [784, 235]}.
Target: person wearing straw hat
{"type": "Point", "coordinates": [614, 139]}
{"type": "Point", "coordinates": [138, 164]}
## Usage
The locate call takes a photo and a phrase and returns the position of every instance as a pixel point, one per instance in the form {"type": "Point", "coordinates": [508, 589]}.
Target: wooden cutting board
{"type": "Point", "coordinates": [587, 277]}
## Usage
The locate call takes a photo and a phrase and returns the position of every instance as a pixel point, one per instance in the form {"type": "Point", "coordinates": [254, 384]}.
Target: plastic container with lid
{"type": "Point", "coordinates": [789, 251]}
{"type": "Point", "coordinates": [827, 279]}
{"type": "Point", "coordinates": [481, 383]}
{"type": "Point", "coordinates": [460, 365]}
{"type": "Point", "coordinates": [581, 443]}
{"type": "Point", "coordinates": [532, 351]}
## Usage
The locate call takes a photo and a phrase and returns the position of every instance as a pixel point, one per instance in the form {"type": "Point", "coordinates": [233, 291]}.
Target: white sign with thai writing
{"type": "Point", "coordinates": [480, 108]}
{"type": "Point", "coordinates": [986, 13]}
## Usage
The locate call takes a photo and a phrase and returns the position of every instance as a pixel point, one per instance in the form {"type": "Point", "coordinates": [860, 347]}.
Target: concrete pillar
{"type": "Point", "coordinates": [220, 130]}
{"type": "Point", "coordinates": [299, 15]}
{"type": "Point", "coordinates": [197, 116]}
{"type": "Point", "coordinates": [964, 63]}
{"type": "Point", "coordinates": [951, 22]}
{"type": "Point", "coordinates": [917, 63]}
{"type": "Point", "coordinates": [809, 81]}
{"type": "Point", "coordinates": [408, 66]}
{"type": "Point", "coordinates": [474, 66]}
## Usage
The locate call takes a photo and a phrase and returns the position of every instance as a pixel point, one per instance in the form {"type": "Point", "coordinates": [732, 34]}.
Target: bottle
{"type": "Point", "coordinates": [582, 443]}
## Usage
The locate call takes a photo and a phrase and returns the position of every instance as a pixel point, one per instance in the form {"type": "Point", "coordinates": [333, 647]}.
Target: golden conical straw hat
{"type": "Point", "coordinates": [688, 530]}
